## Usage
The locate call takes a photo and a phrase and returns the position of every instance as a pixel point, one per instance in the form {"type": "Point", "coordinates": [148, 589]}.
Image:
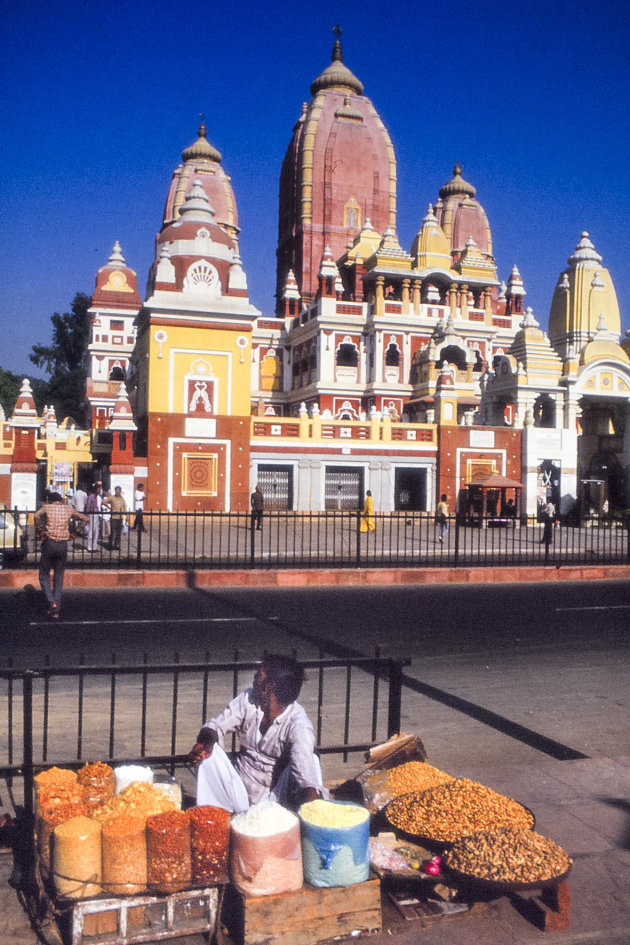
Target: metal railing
{"type": "Point", "coordinates": [151, 713]}
{"type": "Point", "coordinates": [207, 540]}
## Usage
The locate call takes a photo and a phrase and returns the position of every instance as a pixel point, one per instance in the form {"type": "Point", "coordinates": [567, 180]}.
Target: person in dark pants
{"type": "Point", "coordinates": [258, 504]}
{"type": "Point", "coordinates": [53, 523]}
{"type": "Point", "coordinates": [549, 519]}
{"type": "Point", "coordinates": [139, 499]}
{"type": "Point", "coordinates": [118, 508]}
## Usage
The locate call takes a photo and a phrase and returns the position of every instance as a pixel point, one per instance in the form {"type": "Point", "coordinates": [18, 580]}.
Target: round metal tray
{"type": "Point", "coordinates": [490, 885]}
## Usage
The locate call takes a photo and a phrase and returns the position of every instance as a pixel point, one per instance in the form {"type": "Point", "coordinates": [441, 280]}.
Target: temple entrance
{"type": "Point", "coordinates": [410, 490]}
{"type": "Point", "coordinates": [277, 486]}
{"type": "Point", "coordinates": [604, 489]}
{"type": "Point", "coordinates": [343, 488]}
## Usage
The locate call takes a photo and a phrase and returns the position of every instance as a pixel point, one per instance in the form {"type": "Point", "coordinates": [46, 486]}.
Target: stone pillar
{"type": "Point", "coordinates": [405, 296]}
{"type": "Point", "coordinates": [452, 299]}
{"type": "Point", "coordinates": [463, 302]}
{"type": "Point", "coordinates": [379, 296]}
{"type": "Point", "coordinates": [487, 304]}
{"type": "Point", "coordinates": [416, 296]}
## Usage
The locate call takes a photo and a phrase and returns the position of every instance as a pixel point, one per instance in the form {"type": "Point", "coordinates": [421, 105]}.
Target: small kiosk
{"type": "Point", "coordinates": [492, 501]}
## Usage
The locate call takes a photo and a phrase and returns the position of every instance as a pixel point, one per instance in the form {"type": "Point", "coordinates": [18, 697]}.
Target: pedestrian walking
{"type": "Point", "coordinates": [258, 505]}
{"type": "Point", "coordinates": [93, 510]}
{"type": "Point", "coordinates": [118, 509]}
{"type": "Point", "coordinates": [442, 517]}
{"type": "Point", "coordinates": [106, 514]}
{"type": "Point", "coordinates": [53, 522]}
{"type": "Point", "coordinates": [549, 517]}
{"type": "Point", "coordinates": [139, 500]}
{"type": "Point", "coordinates": [368, 523]}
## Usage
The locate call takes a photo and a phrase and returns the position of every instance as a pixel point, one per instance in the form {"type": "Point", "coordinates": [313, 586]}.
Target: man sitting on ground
{"type": "Point", "coordinates": [276, 758]}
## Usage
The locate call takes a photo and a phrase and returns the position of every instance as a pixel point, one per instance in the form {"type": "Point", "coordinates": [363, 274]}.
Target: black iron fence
{"type": "Point", "coordinates": [337, 539]}
{"type": "Point", "coordinates": [151, 713]}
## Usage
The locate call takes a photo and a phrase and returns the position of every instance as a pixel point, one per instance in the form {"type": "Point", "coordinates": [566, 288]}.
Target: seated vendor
{"type": "Point", "coordinates": [276, 758]}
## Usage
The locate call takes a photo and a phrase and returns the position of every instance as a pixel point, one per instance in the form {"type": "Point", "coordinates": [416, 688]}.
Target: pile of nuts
{"type": "Point", "coordinates": [510, 856]}
{"type": "Point", "coordinates": [415, 776]}
{"type": "Point", "coordinates": [458, 808]}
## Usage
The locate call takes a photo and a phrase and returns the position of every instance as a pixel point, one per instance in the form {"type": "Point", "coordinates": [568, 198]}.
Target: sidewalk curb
{"type": "Point", "coordinates": [320, 577]}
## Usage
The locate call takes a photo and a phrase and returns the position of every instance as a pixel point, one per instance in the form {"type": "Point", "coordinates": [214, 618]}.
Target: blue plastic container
{"type": "Point", "coordinates": [336, 856]}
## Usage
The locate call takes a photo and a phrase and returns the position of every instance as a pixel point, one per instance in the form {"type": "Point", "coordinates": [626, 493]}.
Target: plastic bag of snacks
{"type": "Point", "coordinates": [335, 843]}
{"type": "Point", "coordinates": [168, 851]}
{"type": "Point", "coordinates": [380, 787]}
{"type": "Point", "coordinates": [59, 797]}
{"type": "Point", "coordinates": [77, 858]}
{"type": "Point", "coordinates": [124, 854]}
{"type": "Point", "coordinates": [209, 842]}
{"type": "Point", "coordinates": [98, 783]}
{"type": "Point", "coordinates": [265, 850]}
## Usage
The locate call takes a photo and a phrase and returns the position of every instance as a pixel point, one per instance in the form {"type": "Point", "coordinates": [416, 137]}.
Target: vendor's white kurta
{"type": "Point", "coordinates": [265, 763]}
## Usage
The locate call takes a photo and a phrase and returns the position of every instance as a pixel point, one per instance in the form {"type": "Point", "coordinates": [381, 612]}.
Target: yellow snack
{"type": "Point", "coordinates": [77, 858]}
{"type": "Point", "coordinates": [139, 798]}
{"type": "Point", "coordinates": [328, 814]}
{"type": "Point", "coordinates": [415, 776]}
{"type": "Point", "coordinates": [455, 809]}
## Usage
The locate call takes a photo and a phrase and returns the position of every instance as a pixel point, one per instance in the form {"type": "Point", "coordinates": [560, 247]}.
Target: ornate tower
{"type": "Point", "coordinates": [339, 171]}
{"type": "Point", "coordinates": [115, 304]}
{"type": "Point", "coordinates": [192, 358]}
{"type": "Point", "coordinates": [584, 302]}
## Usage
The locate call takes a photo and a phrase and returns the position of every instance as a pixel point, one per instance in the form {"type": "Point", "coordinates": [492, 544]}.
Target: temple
{"type": "Point", "coordinates": [411, 371]}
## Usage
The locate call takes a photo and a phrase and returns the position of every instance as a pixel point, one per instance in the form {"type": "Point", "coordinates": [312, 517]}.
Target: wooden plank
{"type": "Point", "coordinates": [306, 916]}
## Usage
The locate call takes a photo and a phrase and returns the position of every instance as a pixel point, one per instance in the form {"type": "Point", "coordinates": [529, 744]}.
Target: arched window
{"type": "Point", "coordinates": [453, 354]}
{"type": "Point", "coordinates": [117, 373]}
{"type": "Point", "coordinates": [392, 355]}
{"type": "Point", "coordinates": [347, 355]}
{"type": "Point", "coordinates": [544, 411]}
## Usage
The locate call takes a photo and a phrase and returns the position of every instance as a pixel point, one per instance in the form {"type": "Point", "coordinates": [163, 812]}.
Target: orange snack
{"type": "Point", "coordinates": [124, 854]}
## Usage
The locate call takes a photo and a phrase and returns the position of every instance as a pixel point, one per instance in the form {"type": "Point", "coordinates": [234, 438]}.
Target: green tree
{"type": "Point", "coordinates": [65, 360]}
{"type": "Point", "coordinates": [10, 385]}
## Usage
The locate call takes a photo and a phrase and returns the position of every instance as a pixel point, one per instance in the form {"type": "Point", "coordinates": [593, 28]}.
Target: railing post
{"type": "Point", "coordinates": [456, 549]}
{"type": "Point", "coordinates": [138, 545]}
{"type": "Point", "coordinates": [358, 556]}
{"type": "Point", "coordinates": [27, 734]}
{"type": "Point", "coordinates": [252, 543]}
{"type": "Point", "coordinates": [394, 709]}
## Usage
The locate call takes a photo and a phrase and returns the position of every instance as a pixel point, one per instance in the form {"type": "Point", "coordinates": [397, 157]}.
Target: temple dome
{"type": "Point", "coordinates": [337, 75]}
{"type": "Point", "coordinates": [584, 295]}
{"type": "Point", "coordinates": [116, 283]}
{"type": "Point", "coordinates": [462, 217]}
{"type": "Point", "coordinates": [202, 162]}
{"type": "Point", "coordinates": [457, 185]}
{"type": "Point", "coordinates": [339, 171]}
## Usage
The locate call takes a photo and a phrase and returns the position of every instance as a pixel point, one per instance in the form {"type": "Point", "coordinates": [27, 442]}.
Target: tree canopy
{"type": "Point", "coordinates": [65, 360]}
{"type": "Point", "coordinates": [10, 385]}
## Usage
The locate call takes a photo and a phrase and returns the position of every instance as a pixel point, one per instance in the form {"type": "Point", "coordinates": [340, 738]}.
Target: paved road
{"type": "Point", "coordinates": [506, 673]}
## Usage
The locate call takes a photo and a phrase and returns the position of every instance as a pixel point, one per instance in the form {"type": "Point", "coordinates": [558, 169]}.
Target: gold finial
{"type": "Point", "coordinates": [336, 53]}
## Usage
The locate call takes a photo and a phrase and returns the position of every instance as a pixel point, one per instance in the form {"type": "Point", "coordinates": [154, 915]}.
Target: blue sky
{"type": "Point", "coordinates": [98, 101]}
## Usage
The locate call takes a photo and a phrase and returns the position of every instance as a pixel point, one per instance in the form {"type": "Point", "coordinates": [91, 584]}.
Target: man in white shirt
{"type": "Point", "coordinates": [276, 757]}
{"type": "Point", "coordinates": [78, 500]}
{"type": "Point", "coordinates": [139, 498]}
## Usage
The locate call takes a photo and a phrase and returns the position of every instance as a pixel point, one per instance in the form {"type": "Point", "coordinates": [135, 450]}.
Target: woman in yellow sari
{"type": "Point", "coordinates": [367, 515]}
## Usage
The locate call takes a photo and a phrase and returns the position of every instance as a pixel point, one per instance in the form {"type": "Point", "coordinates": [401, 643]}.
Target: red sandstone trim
{"type": "Point", "coordinates": [324, 577]}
